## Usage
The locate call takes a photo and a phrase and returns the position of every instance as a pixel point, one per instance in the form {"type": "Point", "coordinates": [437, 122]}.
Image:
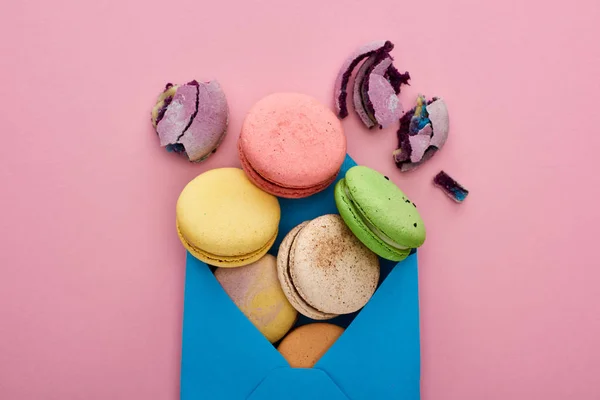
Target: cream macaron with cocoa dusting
{"type": "Point", "coordinates": [255, 289]}
{"type": "Point", "coordinates": [325, 270]}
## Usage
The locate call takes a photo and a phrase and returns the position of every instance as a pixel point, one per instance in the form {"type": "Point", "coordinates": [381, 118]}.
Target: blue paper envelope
{"type": "Point", "coordinates": [378, 356]}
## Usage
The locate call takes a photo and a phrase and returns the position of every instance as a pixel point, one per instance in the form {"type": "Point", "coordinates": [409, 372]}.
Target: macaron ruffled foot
{"type": "Point", "coordinates": [191, 119]}
{"type": "Point", "coordinates": [376, 85]}
{"type": "Point", "coordinates": [423, 131]}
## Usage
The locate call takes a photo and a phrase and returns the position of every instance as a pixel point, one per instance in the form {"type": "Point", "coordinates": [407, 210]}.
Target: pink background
{"type": "Point", "coordinates": [91, 270]}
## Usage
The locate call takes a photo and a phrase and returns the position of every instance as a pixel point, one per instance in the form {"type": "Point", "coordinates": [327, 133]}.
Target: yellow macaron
{"type": "Point", "coordinates": [226, 221]}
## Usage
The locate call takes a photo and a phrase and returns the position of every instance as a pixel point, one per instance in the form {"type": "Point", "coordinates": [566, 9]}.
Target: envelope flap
{"type": "Point", "coordinates": [220, 344]}
{"type": "Point", "coordinates": [378, 356]}
{"type": "Point", "coordinates": [297, 384]}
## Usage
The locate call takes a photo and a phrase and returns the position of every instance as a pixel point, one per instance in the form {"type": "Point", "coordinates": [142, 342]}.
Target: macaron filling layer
{"type": "Point", "coordinates": [277, 189]}
{"type": "Point", "coordinates": [224, 259]}
{"type": "Point", "coordinates": [323, 184]}
{"type": "Point", "coordinates": [376, 231]}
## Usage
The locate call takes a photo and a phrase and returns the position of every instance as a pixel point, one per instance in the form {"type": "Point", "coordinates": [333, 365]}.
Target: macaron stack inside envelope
{"type": "Point", "coordinates": [324, 267]}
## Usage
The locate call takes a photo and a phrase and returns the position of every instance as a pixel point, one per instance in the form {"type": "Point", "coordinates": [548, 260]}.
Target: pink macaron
{"type": "Point", "coordinates": [291, 145]}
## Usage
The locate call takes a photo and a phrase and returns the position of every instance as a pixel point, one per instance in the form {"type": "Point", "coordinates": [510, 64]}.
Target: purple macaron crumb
{"type": "Point", "coordinates": [450, 187]}
{"type": "Point", "coordinates": [397, 79]}
{"type": "Point", "coordinates": [402, 154]}
{"type": "Point", "coordinates": [341, 85]}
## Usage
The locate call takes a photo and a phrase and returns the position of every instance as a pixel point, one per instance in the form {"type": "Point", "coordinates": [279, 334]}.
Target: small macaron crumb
{"type": "Point", "coordinates": [191, 119]}
{"type": "Point", "coordinates": [376, 86]}
{"type": "Point", "coordinates": [304, 346]}
{"type": "Point", "coordinates": [453, 189]}
{"type": "Point", "coordinates": [423, 131]}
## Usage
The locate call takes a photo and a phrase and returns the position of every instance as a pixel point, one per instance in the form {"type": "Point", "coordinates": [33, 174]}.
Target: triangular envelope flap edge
{"type": "Point", "coordinates": [296, 211]}
{"type": "Point", "coordinates": [219, 342]}
{"type": "Point", "coordinates": [297, 384]}
{"type": "Point", "coordinates": [378, 356]}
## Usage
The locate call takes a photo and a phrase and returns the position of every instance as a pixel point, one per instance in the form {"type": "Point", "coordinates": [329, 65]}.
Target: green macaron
{"type": "Point", "coordinates": [379, 213]}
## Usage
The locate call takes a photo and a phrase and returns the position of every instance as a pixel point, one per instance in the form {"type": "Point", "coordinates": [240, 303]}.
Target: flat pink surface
{"type": "Point", "coordinates": [91, 270]}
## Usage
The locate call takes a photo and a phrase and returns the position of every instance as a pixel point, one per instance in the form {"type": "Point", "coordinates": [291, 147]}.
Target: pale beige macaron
{"type": "Point", "coordinates": [255, 289]}
{"type": "Point", "coordinates": [325, 270]}
{"type": "Point", "coordinates": [304, 346]}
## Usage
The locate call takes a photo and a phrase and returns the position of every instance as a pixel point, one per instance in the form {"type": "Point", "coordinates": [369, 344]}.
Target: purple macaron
{"type": "Point", "coordinates": [191, 119]}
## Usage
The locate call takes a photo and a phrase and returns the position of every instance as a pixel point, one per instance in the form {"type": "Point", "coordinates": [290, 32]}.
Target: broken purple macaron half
{"type": "Point", "coordinates": [376, 85]}
{"type": "Point", "coordinates": [191, 119]}
{"type": "Point", "coordinates": [423, 131]}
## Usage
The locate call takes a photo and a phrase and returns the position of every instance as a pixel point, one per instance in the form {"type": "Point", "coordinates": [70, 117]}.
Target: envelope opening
{"type": "Point", "coordinates": [220, 344]}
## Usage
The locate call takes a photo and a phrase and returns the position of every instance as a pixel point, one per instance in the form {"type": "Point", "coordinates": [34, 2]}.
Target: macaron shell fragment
{"type": "Point", "coordinates": [428, 117]}
{"type": "Point", "coordinates": [283, 273]}
{"type": "Point", "coordinates": [378, 95]}
{"type": "Point", "coordinates": [375, 88]}
{"type": "Point", "coordinates": [386, 106]}
{"type": "Point", "coordinates": [209, 126]}
{"type": "Point", "coordinates": [178, 115]}
{"type": "Point", "coordinates": [357, 96]}
{"type": "Point", "coordinates": [440, 121]}
{"type": "Point", "coordinates": [255, 289]}
{"type": "Point", "coordinates": [420, 143]}
{"type": "Point", "coordinates": [341, 82]}
{"type": "Point", "coordinates": [331, 269]}
{"type": "Point", "coordinates": [305, 345]}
